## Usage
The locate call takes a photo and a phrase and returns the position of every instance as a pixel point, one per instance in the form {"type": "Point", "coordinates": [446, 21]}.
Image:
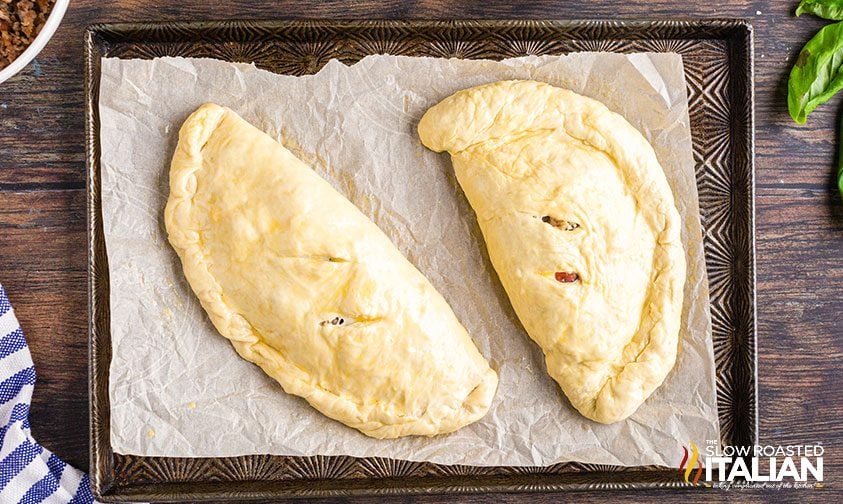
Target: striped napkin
{"type": "Point", "coordinates": [28, 472]}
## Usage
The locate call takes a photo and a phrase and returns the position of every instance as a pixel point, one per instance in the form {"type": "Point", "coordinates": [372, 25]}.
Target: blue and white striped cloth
{"type": "Point", "coordinates": [28, 472]}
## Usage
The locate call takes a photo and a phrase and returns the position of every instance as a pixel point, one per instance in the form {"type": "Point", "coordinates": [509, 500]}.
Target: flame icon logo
{"type": "Point", "coordinates": [695, 461]}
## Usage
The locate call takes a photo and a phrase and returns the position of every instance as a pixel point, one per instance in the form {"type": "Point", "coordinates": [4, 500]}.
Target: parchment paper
{"type": "Point", "coordinates": [178, 388]}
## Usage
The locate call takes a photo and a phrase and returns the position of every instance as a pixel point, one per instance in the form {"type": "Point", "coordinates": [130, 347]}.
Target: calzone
{"type": "Point", "coordinates": [581, 227]}
{"type": "Point", "coordinates": [312, 291]}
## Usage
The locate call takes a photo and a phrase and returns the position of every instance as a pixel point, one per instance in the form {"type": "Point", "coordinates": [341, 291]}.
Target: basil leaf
{"type": "Point", "coordinates": [817, 75]}
{"type": "Point", "coordinates": [826, 9]}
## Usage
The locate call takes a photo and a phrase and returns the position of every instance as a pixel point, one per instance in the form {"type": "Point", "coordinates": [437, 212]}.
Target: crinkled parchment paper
{"type": "Point", "coordinates": [178, 388]}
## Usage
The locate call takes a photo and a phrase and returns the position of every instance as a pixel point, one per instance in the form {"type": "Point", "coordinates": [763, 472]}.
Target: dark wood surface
{"type": "Point", "coordinates": [798, 213]}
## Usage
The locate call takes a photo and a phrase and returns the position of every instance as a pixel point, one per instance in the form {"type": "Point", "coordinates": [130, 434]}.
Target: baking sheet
{"type": "Point", "coordinates": [178, 389]}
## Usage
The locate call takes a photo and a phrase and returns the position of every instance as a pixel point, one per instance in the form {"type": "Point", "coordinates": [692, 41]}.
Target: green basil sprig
{"type": "Point", "coordinates": [817, 74]}
{"type": "Point", "coordinates": [826, 9]}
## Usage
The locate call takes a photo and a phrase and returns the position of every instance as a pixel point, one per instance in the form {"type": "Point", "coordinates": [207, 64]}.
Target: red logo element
{"type": "Point", "coordinates": [695, 461]}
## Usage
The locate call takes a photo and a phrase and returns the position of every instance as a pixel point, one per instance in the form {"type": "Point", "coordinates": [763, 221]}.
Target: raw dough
{"type": "Point", "coordinates": [581, 228]}
{"type": "Point", "coordinates": [309, 289]}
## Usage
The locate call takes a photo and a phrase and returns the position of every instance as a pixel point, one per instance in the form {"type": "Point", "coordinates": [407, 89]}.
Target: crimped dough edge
{"type": "Point", "coordinates": [187, 161]}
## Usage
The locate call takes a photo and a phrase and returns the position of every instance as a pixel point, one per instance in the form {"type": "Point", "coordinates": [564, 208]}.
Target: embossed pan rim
{"type": "Point", "coordinates": [98, 39]}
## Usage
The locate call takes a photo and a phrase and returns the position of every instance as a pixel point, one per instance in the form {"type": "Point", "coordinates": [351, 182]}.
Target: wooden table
{"type": "Point", "coordinates": [799, 216]}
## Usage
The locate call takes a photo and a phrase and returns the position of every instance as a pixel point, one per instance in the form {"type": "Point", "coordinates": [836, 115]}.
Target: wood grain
{"type": "Point", "coordinates": [42, 267]}
{"type": "Point", "coordinates": [799, 218]}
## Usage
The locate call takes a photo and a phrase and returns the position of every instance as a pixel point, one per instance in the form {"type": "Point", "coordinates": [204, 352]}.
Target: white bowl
{"type": "Point", "coordinates": [40, 41]}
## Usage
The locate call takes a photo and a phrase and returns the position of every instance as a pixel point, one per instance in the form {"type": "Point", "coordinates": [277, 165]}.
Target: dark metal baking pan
{"type": "Point", "coordinates": [717, 55]}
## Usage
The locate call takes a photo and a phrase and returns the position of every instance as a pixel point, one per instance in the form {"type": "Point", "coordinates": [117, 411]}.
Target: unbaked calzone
{"type": "Point", "coordinates": [309, 289]}
{"type": "Point", "coordinates": [581, 227]}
